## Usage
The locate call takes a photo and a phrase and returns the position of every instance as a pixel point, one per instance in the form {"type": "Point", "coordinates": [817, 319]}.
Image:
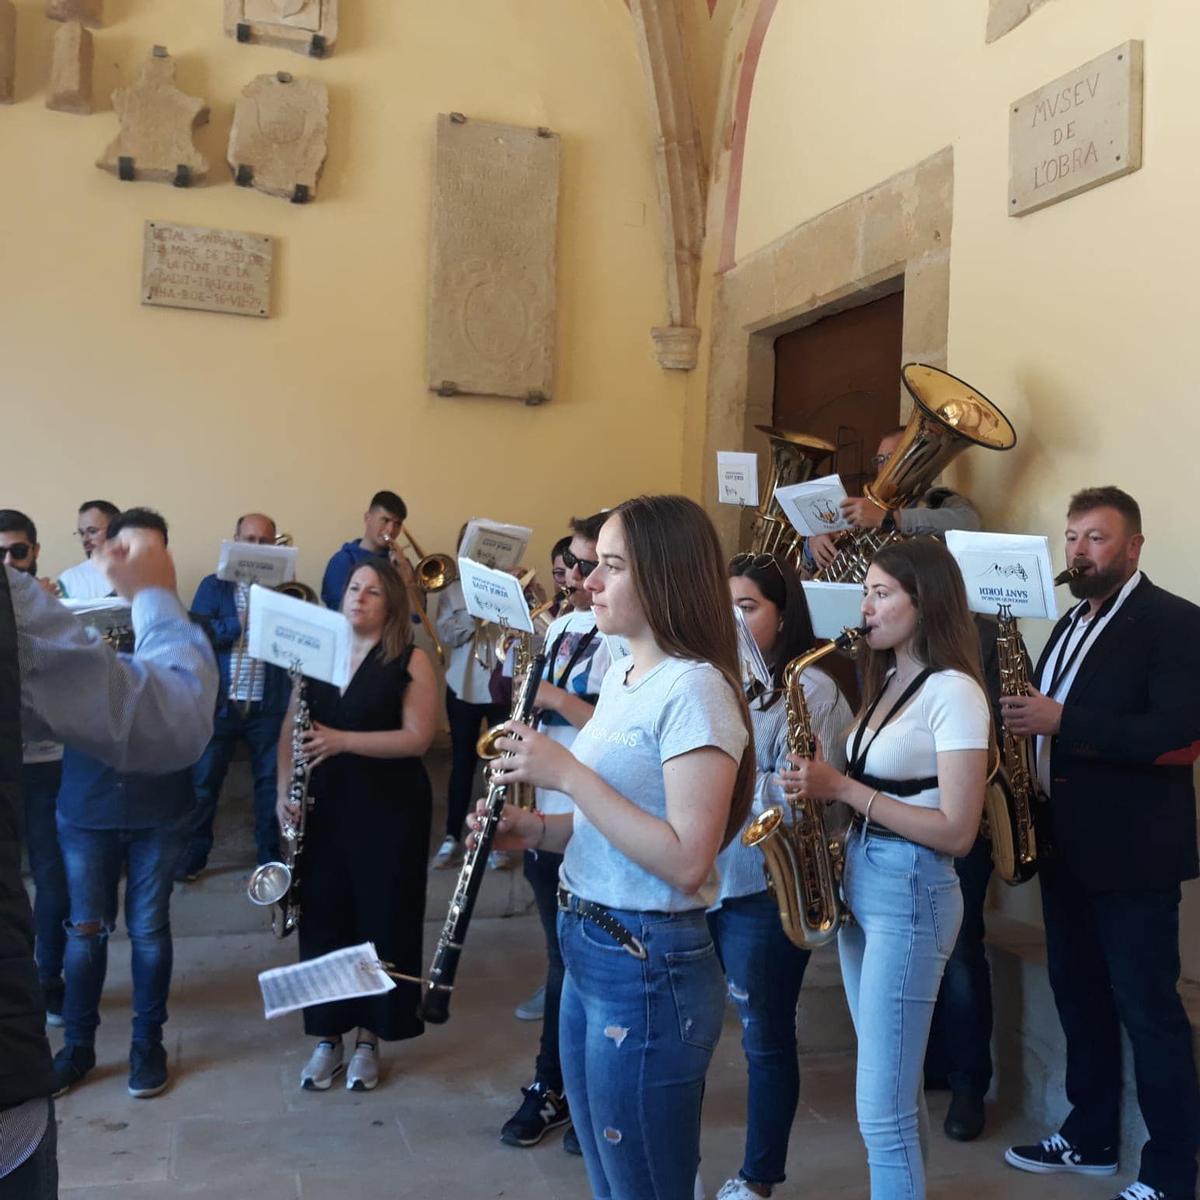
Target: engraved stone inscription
{"type": "Point", "coordinates": [217, 270]}
{"type": "Point", "coordinates": [492, 307]}
{"type": "Point", "coordinates": [1080, 131]}
{"type": "Point", "coordinates": [306, 26]}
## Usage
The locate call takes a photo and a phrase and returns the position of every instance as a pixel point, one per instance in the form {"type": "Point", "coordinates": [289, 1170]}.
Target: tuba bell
{"type": "Point", "coordinates": [794, 459]}
{"type": "Point", "coordinates": [948, 417]}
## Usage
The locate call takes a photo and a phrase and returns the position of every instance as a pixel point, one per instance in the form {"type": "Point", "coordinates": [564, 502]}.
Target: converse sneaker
{"type": "Point", "coordinates": [147, 1069]}
{"type": "Point", "coordinates": [325, 1064]}
{"type": "Point", "coordinates": [71, 1064]}
{"type": "Point", "coordinates": [532, 1009]}
{"type": "Point", "coordinates": [738, 1189]}
{"type": "Point", "coordinates": [362, 1075]}
{"type": "Point", "coordinates": [1055, 1153]}
{"type": "Point", "coordinates": [540, 1111]}
{"type": "Point", "coordinates": [1142, 1191]}
{"type": "Point", "coordinates": [449, 853]}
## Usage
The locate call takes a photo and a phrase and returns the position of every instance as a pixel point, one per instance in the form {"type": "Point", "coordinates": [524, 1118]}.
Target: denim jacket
{"type": "Point", "coordinates": [215, 607]}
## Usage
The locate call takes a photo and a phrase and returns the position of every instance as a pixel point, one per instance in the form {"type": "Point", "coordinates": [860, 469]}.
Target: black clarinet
{"type": "Point", "coordinates": [439, 983]}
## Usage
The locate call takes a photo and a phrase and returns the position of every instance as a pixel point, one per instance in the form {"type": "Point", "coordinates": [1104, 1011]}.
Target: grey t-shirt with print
{"type": "Point", "coordinates": [677, 706]}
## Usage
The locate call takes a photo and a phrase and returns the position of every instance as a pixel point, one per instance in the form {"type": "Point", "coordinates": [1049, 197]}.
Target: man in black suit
{"type": "Point", "coordinates": [1117, 721]}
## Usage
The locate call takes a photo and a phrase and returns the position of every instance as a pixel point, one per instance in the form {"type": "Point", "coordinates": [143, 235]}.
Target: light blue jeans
{"type": "Point", "coordinates": [907, 908]}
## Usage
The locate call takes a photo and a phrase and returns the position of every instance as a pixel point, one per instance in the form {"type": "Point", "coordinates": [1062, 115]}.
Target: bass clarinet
{"type": "Point", "coordinates": [435, 997]}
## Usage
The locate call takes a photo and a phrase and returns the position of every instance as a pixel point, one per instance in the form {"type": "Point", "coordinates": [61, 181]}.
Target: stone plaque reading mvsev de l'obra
{"type": "Point", "coordinates": [218, 270]}
{"type": "Point", "coordinates": [1076, 133]}
{"type": "Point", "coordinates": [492, 307]}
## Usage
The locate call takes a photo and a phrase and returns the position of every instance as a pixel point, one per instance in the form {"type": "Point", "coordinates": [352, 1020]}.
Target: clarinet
{"type": "Point", "coordinates": [435, 1000]}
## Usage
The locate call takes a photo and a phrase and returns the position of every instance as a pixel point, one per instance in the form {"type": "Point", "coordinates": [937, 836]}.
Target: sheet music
{"type": "Point", "coordinates": [340, 975]}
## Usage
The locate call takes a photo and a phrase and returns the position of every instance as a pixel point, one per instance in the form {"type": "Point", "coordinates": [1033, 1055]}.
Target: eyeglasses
{"type": "Point", "coordinates": [585, 565]}
{"type": "Point", "coordinates": [90, 531]}
{"type": "Point", "coordinates": [880, 460]}
{"type": "Point", "coordinates": [18, 551]}
{"type": "Point", "coordinates": [746, 561]}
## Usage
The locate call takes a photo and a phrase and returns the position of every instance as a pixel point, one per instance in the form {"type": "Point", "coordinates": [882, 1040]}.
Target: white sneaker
{"type": "Point", "coordinates": [533, 1009]}
{"type": "Point", "coordinates": [448, 854]}
{"type": "Point", "coordinates": [501, 860]}
{"type": "Point", "coordinates": [325, 1064]}
{"type": "Point", "coordinates": [736, 1189]}
{"type": "Point", "coordinates": [362, 1075]}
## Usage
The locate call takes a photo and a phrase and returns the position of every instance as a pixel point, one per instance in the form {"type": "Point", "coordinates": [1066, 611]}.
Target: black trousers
{"type": "Point", "coordinates": [465, 722]}
{"type": "Point", "coordinates": [1114, 961]}
{"type": "Point", "coordinates": [541, 869]}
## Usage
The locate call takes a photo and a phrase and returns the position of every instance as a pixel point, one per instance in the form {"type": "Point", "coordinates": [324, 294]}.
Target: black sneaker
{"type": "Point", "coordinates": [1142, 1191]}
{"type": "Point", "coordinates": [71, 1064]}
{"type": "Point", "coordinates": [540, 1111]}
{"type": "Point", "coordinates": [571, 1143]}
{"type": "Point", "coordinates": [964, 1120]}
{"type": "Point", "coordinates": [147, 1069]}
{"type": "Point", "coordinates": [54, 992]}
{"type": "Point", "coordinates": [1055, 1153]}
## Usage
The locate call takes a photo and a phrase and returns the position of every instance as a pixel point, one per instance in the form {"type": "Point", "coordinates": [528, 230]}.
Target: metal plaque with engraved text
{"type": "Point", "coordinates": [217, 270]}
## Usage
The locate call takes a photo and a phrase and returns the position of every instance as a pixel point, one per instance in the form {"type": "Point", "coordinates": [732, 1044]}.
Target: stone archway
{"type": "Point", "coordinates": [858, 251]}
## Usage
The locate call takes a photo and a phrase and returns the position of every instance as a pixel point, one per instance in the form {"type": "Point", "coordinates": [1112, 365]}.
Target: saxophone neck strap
{"type": "Point", "coordinates": [859, 752]}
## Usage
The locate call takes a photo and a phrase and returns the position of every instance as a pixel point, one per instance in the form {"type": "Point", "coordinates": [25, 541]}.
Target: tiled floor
{"type": "Point", "coordinates": [234, 1123]}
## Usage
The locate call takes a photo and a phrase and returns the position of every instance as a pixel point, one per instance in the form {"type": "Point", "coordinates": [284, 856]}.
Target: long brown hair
{"type": "Point", "coordinates": [678, 571]}
{"type": "Point", "coordinates": [945, 637]}
{"type": "Point", "coordinates": [397, 632]}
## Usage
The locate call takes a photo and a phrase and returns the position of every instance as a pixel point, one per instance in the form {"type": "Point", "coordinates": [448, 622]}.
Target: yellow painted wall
{"type": "Point", "coordinates": [307, 413]}
{"type": "Point", "coordinates": [1079, 320]}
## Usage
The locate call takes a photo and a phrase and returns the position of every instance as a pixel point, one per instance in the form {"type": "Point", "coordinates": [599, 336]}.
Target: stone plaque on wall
{"type": "Point", "coordinates": [1076, 133]}
{"type": "Point", "coordinates": [217, 270]}
{"type": "Point", "coordinates": [492, 307]}
{"type": "Point", "coordinates": [306, 26]}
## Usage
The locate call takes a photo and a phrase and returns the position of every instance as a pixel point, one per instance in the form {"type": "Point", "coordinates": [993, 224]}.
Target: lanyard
{"type": "Point", "coordinates": [858, 759]}
{"type": "Point", "coordinates": [583, 644]}
{"type": "Point", "coordinates": [1063, 668]}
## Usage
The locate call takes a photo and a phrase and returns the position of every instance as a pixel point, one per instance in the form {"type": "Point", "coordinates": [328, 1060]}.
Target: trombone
{"type": "Point", "coordinates": [430, 573]}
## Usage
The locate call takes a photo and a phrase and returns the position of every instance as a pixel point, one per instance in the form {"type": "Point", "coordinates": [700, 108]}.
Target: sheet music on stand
{"type": "Point", "coordinates": [340, 975]}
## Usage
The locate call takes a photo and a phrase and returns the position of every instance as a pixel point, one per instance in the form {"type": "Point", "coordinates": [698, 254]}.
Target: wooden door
{"type": "Point", "coordinates": [839, 379]}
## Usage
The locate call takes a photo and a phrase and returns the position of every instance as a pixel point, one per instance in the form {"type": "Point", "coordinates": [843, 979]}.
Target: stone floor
{"type": "Point", "coordinates": [235, 1124]}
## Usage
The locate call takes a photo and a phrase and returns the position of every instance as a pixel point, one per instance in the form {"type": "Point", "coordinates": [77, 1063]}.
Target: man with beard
{"type": "Point", "coordinates": [1116, 714]}
{"type": "Point", "coordinates": [83, 581]}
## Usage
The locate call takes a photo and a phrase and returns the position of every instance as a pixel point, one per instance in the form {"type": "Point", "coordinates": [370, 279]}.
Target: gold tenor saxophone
{"type": "Point", "coordinates": [1009, 801]}
{"type": "Point", "coordinates": [278, 883]}
{"type": "Point", "coordinates": [803, 862]}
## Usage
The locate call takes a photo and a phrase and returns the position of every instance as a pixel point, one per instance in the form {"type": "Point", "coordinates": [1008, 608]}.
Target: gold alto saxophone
{"type": "Point", "coordinates": [278, 883]}
{"type": "Point", "coordinates": [803, 862]}
{"type": "Point", "coordinates": [1009, 801]}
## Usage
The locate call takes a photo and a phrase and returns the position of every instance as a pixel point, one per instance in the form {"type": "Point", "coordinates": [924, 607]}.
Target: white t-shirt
{"type": "Point", "coordinates": [84, 581]}
{"type": "Point", "coordinates": [587, 672]}
{"type": "Point", "coordinates": [950, 712]}
{"type": "Point", "coordinates": [677, 706]}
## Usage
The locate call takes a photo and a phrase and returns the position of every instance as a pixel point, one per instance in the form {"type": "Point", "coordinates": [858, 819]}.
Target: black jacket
{"type": "Point", "coordinates": [1122, 800]}
{"type": "Point", "coordinates": [24, 1051]}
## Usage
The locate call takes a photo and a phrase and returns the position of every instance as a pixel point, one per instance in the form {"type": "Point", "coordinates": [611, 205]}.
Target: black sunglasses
{"type": "Point", "coordinates": [18, 550]}
{"type": "Point", "coordinates": [585, 565]}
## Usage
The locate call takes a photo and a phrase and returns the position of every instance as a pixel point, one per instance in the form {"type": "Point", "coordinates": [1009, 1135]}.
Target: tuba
{"type": "Point", "coordinates": [948, 417]}
{"type": "Point", "coordinates": [794, 458]}
{"type": "Point", "coordinates": [1009, 799]}
{"type": "Point", "coordinates": [278, 883]}
{"type": "Point", "coordinates": [802, 861]}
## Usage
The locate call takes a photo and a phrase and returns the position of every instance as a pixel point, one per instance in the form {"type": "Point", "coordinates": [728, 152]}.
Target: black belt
{"type": "Point", "coordinates": [872, 829]}
{"type": "Point", "coordinates": [599, 915]}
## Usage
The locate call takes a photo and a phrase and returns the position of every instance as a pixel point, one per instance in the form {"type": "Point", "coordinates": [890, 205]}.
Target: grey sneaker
{"type": "Point", "coordinates": [324, 1065]}
{"type": "Point", "coordinates": [449, 854]}
{"type": "Point", "coordinates": [533, 1008]}
{"type": "Point", "coordinates": [362, 1075]}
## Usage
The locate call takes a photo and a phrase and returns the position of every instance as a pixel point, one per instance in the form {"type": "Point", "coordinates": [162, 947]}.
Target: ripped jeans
{"type": "Point", "coordinates": [636, 1037]}
{"type": "Point", "coordinates": [764, 971]}
{"type": "Point", "coordinates": [907, 907]}
{"type": "Point", "coordinates": [94, 859]}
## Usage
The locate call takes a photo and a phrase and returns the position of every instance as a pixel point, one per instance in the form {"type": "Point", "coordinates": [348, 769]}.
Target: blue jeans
{"type": "Point", "coordinates": [636, 1037]}
{"type": "Point", "coordinates": [764, 972]}
{"type": "Point", "coordinates": [39, 782]}
{"type": "Point", "coordinates": [960, 1042]}
{"type": "Point", "coordinates": [94, 858]}
{"type": "Point", "coordinates": [260, 731]}
{"type": "Point", "coordinates": [908, 907]}
{"type": "Point", "coordinates": [37, 1177]}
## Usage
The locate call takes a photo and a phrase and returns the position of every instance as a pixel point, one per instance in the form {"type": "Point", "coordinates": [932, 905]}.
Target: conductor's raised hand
{"type": "Point", "coordinates": [531, 757]}
{"type": "Point", "coordinates": [136, 560]}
